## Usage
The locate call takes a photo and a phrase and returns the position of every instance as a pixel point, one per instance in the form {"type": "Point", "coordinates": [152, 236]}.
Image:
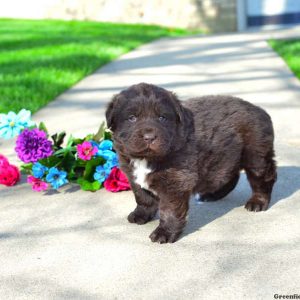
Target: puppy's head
{"type": "Point", "coordinates": [148, 121]}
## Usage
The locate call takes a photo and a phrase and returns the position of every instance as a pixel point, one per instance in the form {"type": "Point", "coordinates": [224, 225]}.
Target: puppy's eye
{"type": "Point", "coordinates": [162, 119]}
{"type": "Point", "coordinates": [132, 118]}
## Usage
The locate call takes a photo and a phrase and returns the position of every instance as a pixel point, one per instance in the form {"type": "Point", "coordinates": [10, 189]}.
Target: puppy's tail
{"type": "Point", "coordinates": [222, 192]}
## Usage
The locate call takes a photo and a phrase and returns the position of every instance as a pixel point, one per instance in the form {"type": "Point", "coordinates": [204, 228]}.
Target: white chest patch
{"type": "Point", "coordinates": [140, 172]}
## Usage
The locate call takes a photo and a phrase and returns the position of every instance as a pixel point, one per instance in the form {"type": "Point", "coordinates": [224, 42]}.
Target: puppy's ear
{"type": "Point", "coordinates": [110, 113]}
{"type": "Point", "coordinates": [184, 116]}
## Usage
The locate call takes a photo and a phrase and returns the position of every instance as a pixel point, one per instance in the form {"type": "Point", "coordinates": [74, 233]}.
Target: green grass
{"type": "Point", "coordinates": [41, 59]}
{"type": "Point", "coordinates": [289, 50]}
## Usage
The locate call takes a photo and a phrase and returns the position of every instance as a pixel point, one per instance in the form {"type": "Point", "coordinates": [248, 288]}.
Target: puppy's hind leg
{"type": "Point", "coordinates": [261, 178]}
{"type": "Point", "coordinates": [222, 192]}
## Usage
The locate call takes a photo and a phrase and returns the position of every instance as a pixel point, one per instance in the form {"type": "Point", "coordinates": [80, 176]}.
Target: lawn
{"type": "Point", "coordinates": [289, 50]}
{"type": "Point", "coordinates": [39, 59]}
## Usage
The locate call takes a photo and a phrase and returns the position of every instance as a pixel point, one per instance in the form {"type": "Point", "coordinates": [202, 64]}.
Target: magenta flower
{"type": "Point", "coordinates": [37, 184]}
{"type": "Point", "coordinates": [32, 145]}
{"type": "Point", "coordinates": [3, 161]}
{"type": "Point", "coordinates": [86, 151]}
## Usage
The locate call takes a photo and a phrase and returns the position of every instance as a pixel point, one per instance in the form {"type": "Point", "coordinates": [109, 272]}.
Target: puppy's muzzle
{"type": "Point", "coordinates": [149, 137]}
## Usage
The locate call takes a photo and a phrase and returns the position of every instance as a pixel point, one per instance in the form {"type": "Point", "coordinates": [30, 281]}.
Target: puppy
{"type": "Point", "coordinates": [171, 150]}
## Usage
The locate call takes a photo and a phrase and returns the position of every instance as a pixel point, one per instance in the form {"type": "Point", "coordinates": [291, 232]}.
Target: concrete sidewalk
{"type": "Point", "coordinates": [79, 245]}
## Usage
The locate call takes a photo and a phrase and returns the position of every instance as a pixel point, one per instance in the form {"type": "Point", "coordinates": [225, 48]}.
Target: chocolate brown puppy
{"type": "Point", "coordinates": [171, 150]}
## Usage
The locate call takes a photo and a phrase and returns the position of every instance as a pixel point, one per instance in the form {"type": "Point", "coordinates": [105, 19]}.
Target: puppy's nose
{"type": "Point", "coordinates": [149, 137]}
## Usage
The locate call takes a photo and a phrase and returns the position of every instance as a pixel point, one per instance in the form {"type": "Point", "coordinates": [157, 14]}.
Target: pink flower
{"type": "Point", "coordinates": [116, 181]}
{"type": "Point", "coordinates": [9, 174]}
{"type": "Point", "coordinates": [37, 184]}
{"type": "Point", "coordinates": [86, 150]}
{"type": "Point", "coordinates": [3, 161]}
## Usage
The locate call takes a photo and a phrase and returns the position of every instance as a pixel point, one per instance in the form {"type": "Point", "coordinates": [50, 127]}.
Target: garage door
{"type": "Point", "coordinates": [272, 12]}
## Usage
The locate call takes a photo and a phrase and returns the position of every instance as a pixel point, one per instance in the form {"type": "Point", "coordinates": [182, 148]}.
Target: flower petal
{"type": "Point", "coordinates": [8, 134]}
{"type": "Point", "coordinates": [24, 116]}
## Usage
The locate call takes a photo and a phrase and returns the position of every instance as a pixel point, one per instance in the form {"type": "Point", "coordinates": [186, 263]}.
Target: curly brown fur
{"type": "Point", "coordinates": [170, 150]}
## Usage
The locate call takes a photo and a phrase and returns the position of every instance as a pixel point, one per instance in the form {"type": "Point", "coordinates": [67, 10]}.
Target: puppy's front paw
{"type": "Point", "coordinates": [162, 236]}
{"type": "Point", "coordinates": [257, 204]}
{"type": "Point", "coordinates": [139, 219]}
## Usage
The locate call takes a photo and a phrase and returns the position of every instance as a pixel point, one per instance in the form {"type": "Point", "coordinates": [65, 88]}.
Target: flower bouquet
{"type": "Point", "coordinates": [90, 162]}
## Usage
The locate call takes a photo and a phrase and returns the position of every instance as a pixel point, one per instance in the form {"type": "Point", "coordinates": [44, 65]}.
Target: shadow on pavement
{"type": "Point", "coordinates": [200, 215]}
{"type": "Point", "coordinates": [287, 184]}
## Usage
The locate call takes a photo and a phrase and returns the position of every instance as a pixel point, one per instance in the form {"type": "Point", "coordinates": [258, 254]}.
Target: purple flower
{"type": "Point", "coordinates": [33, 145]}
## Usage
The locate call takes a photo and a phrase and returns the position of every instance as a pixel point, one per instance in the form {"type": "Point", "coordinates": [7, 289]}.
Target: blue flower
{"type": "Point", "coordinates": [56, 178]}
{"type": "Point", "coordinates": [12, 124]}
{"type": "Point", "coordinates": [106, 145]}
{"type": "Point", "coordinates": [38, 170]}
{"type": "Point", "coordinates": [112, 162]}
{"type": "Point", "coordinates": [101, 173]}
{"type": "Point", "coordinates": [107, 154]}
{"type": "Point", "coordinates": [94, 144]}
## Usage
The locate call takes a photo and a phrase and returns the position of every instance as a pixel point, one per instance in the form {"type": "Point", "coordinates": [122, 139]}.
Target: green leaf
{"type": "Point", "coordinates": [81, 163]}
{"type": "Point", "coordinates": [68, 163]}
{"type": "Point", "coordinates": [108, 135]}
{"type": "Point", "coordinates": [54, 138]}
{"type": "Point", "coordinates": [26, 168]}
{"type": "Point", "coordinates": [100, 134]}
{"type": "Point", "coordinates": [70, 141]}
{"type": "Point", "coordinates": [64, 151]}
{"type": "Point", "coordinates": [51, 161]}
{"type": "Point", "coordinates": [91, 167]}
{"type": "Point", "coordinates": [77, 141]}
{"type": "Point", "coordinates": [30, 127]}
{"type": "Point", "coordinates": [72, 174]}
{"type": "Point", "coordinates": [60, 152]}
{"type": "Point", "coordinates": [89, 137]}
{"type": "Point", "coordinates": [78, 171]}
{"type": "Point", "coordinates": [60, 139]}
{"type": "Point", "coordinates": [43, 127]}
{"type": "Point", "coordinates": [96, 185]}
{"type": "Point", "coordinates": [86, 185]}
